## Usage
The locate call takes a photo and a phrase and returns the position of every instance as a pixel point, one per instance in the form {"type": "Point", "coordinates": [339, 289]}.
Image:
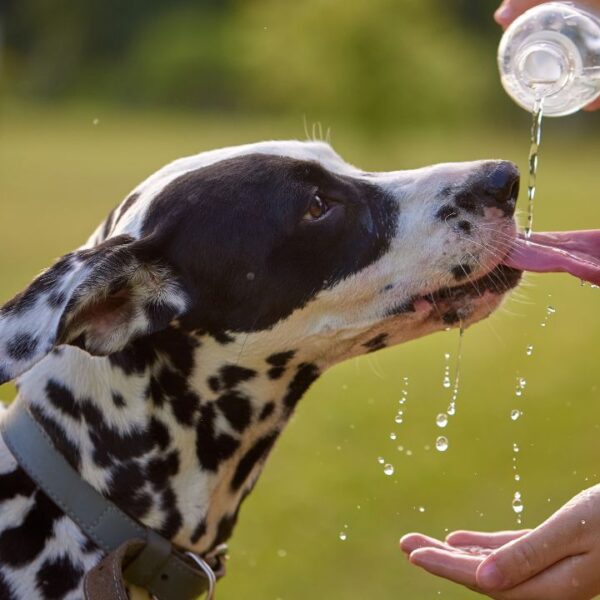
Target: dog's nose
{"type": "Point", "coordinates": [498, 186]}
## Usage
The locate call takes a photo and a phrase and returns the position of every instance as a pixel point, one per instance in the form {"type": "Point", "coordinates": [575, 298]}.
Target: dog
{"type": "Point", "coordinates": [165, 356]}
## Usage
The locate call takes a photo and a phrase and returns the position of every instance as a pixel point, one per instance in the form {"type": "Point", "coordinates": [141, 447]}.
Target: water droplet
{"type": "Point", "coordinates": [421, 509]}
{"type": "Point", "coordinates": [388, 469]}
{"type": "Point", "coordinates": [409, 453]}
{"type": "Point", "coordinates": [550, 310]}
{"type": "Point", "coordinates": [441, 444]}
{"type": "Point", "coordinates": [96, 121]}
{"type": "Point", "coordinates": [281, 553]}
{"type": "Point", "coordinates": [517, 477]}
{"type": "Point", "coordinates": [343, 536]}
{"type": "Point", "coordinates": [400, 448]}
{"type": "Point", "coordinates": [381, 460]}
{"type": "Point", "coordinates": [516, 448]}
{"type": "Point", "coordinates": [583, 521]}
{"type": "Point", "coordinates": [517, 504]}
{"type": "Point", "coordinates": [393, 436]}
{"type": "Point", "coordinates": [446, 383]}
{"type": "Point", "coordinates": [515, 414]}
{"type": "Point", "coordinates": [250, 276]}
{"type": "Point", "coordinates": [451, 411]}
{"type": "Point", "coordinates": [398, 419]}
{"type": "Point", "coordinates": [529, 350]}
{"type": "Point", "coordinates": [441, 420]}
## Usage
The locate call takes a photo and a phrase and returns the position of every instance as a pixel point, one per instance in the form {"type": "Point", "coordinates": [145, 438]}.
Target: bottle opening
{"type": "Point", "coordinates": [544, 68]}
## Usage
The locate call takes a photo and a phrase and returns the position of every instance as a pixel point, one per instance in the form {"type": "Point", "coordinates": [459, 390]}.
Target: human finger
{"type": "Point", "coordinates": [528, 555]}
{"type": "Point", "coordinates": [509, 10]}
{"type": "Point", "coordinates": [413, 541]}
{"type": "Point", "coordinates": [458, 567]}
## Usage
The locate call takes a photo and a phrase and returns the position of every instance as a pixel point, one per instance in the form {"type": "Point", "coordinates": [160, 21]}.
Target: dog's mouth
{"type": "Point", "coordinates": [573, 252]}
{"type": "Point", "coordinates": [455, 304]}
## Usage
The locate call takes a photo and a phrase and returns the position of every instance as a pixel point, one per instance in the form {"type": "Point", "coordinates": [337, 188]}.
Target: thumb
{"type": "Point", "coordinates": [527, 556]}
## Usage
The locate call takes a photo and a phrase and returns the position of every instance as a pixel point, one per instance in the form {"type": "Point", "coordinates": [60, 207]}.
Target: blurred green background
{"type": "Point", "coordinates": [97, 95]}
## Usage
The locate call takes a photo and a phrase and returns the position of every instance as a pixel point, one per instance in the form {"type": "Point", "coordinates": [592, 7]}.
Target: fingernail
{"type": "Point", "coordinates": [489, 577]}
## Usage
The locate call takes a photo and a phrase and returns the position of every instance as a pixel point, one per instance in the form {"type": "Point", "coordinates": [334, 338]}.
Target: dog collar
{"type": "Point", "coordinates": [133, 551]}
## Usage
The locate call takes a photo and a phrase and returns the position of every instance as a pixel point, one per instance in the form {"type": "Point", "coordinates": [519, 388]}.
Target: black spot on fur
{"type": "Point", "coordinates": [56, 299]}
{"type": "Point", "coordinates": [129, 202]}
{"type": "Point", "coordinates": [464, 226]}
{"type": "Point", "coordinates": [236, 408]}
{"type": "Point", "coordinates": [222, 337]}
{"type": "Point", "coordinates": [276, 372]}
{"type": "Point", "coordinates": [225, 529]}
{"type": "Point", "coordinates": [214, 384]}
{"type": "Point", "coordinates": [89, 547]}
{"type": "Point", "coordinates": [376, 343]}
{"type": "Point", "coordinates": [45, 283]}
{"type": "Point", "coordinates": [159, 433]}
{"type": "Point", "coordinates": [108, 224]}
{"type": "Point", "coordinates": [258, 451]}
{"type": "Point", "coordinates": [198, 532]}
{"type": "Point", "coordinates": [267, 411]}
{"type": "Point", "coordinates": [451, 317]}
{"type": "Point", "coordinates": [212, 448]}
{"type": "Point", "coordinates": [20, 545]}
{"type": "Point", "coordinates": [407, 306]}
{"type": "Point", "coordinates": [281, 359]}
{"type": "Point", "coordinates": [279, 363]}
{"type": "Point", "coordinates": [126, 489]}
{"type": "Point", "coordinates": [461, 271]}
{"type": "Point", "coordinates": [22, 346]}
{"type": "Point", "coordinates": [57, 577]}
{"type": "Point", "coordinates": [118, 400]}
{"type": "Point", "coordinates": [306, 373]}
{"type": "Point", "coordinates": [173, 520]}
{"type": "Point", "coordinates": [59, 438]}
{"type": "Point", "coordinates": [232, 375]}
{"type": "Point", "coordinates": [185, 407]}
{"type": "Point", "coordinates": [161, 469]}
{"type": "Point", "coordinates": [6, 591]}
{"type": "Point", "coordinates": [15, 483]}
{"type": "Point", "coordinates": [468, 202]}
{"type": "Point", "coordinates": [446, 212]}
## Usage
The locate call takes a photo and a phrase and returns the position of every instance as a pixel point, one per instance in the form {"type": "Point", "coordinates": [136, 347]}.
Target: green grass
{"type": "Point", "coordinates": [60, 174]}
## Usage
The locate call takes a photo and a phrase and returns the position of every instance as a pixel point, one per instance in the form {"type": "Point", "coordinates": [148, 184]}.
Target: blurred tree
{"type": "Point", "coordinates": [379, 64]}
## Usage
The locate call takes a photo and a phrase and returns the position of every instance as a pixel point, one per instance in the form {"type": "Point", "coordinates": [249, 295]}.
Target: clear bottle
{"type": "Point", "coordinates": [551, 54]}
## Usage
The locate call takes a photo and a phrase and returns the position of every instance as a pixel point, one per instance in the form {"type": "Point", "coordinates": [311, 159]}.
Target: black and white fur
{"type": "Point", "coordinates": [165, 356]}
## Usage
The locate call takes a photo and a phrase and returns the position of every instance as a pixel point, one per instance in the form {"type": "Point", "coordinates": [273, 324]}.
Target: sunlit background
{"type": "Point", "coordinates": [97, 95]}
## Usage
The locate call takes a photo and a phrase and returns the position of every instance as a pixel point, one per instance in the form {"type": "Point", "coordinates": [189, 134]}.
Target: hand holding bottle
{"type": "Point", "coordinates": [567, 100]}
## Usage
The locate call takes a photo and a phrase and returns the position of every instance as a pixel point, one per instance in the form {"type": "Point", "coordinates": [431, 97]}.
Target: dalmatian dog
{"type": "Point", "coordinates": [165, 356]}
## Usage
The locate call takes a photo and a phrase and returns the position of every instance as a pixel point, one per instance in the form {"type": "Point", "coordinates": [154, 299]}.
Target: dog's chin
{"type": "Point", "coordinates": [460, 305]}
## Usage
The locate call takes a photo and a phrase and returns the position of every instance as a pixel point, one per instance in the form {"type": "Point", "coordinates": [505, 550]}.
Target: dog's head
{"type": "Point", "coordinates": [280, 237]}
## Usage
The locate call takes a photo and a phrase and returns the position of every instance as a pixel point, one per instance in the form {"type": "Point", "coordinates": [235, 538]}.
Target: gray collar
{"type": "Point", "coordinates": [165, 572]}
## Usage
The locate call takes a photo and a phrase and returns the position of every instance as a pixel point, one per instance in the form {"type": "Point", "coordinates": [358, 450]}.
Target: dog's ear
{"type": "Point", "coordinates": [98, 299]}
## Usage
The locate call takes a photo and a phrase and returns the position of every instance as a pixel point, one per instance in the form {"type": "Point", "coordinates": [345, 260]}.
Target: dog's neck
{"type": "Point", "coordinates": [175, 428]}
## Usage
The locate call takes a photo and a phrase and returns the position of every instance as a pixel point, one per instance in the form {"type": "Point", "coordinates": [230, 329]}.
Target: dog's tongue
{"type": "Point", "coordinates": [574, 252]}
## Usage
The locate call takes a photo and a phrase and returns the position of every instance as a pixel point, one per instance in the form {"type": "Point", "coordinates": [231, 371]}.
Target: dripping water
{"type": "Point", "coordinates": [536, 138]}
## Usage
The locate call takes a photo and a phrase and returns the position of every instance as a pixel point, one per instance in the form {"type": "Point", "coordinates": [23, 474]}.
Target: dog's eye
{"type": "Point", "coordinates": [317, 209]}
